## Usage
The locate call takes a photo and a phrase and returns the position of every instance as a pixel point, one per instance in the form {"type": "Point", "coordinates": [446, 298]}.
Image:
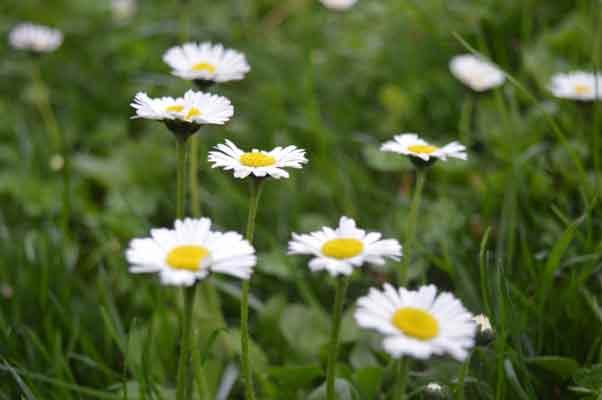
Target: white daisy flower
{"type": "Point", "coordinates": [339, 250]}
{"type": "Point", "coordinates": [410, 144]}
{"type": "Point", "coordinates": [476, 72]}
{"type": "Point", "coordinates": [195, 107]}
{"type": "Point", "coordinates": [339, 5]}
{"type": "Point", "coordinates": [206, 62]}
{"type": "Point", "coordinates": [38, 38]}
{"type": "Point", "coordinates": [123, 9]}
{"type": "Point", "coordinates": [578, 85]}
{"type": "Point", "coordinates": [191, 251]}
{"type": "Point", "coordinates": [257, 162]}
{"type": "Point", "coordinates": [418, 323]}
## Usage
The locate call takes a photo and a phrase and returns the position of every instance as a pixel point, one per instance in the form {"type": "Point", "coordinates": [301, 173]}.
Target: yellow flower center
{"type": "Point", "coordinates": [193, 112]}
{"type": "Point", "coordinates": [204, 67]}
{"type": "Point", "coordinates": [187, 257]}
{"type": "Point", "coordinates": [422, 149]}
{"type": "Point", "coordinates": [257, 159]}
{"type": "Point", "coordinates": [416, 323]}
{"type": "Point", "coordinates": [343, 248]}
{"type": "Point", "coordinates": [582, 89]}
{"type": "Point", "coordinates": [175, 108]}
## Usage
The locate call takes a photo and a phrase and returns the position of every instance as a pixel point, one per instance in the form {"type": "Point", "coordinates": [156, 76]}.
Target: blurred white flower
{"type": "Point", "coordinates": [418, 323]}
{"type": "Point", "coordinates": [206, 62]}
{"type": "Point", "coordinates": [412, 145]}
{"type": "Point", "coordinates": [256, 162]}
{"type": "Point", "coordinates": [191, 251]}
{"type": "Point", "coordinates": [577, 85]}
{"type": "Point", "coordinates": [37, 38]}
{"type": "Point", "coordinates": [195, 107]}
{"type": "Point", "coordinates": [476, 72]}
{"type": "Point", "coordinates": [483, 324]}
{"type": "Point", "coordinates": [338, 5]}
{"type": "Point", "coordinates": [123, 9]}
{"type": "Point", "coordinates": [339, 250]}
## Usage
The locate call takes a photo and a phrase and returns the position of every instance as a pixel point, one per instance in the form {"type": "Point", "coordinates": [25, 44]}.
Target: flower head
{"type": "Point", "coordinates": [418, 323]}
{"type": "Point", "coordinates": [123, 9]}
{"type": "Point", "coordinates": [206, 62]}
{"type": "Point", "coordinates": [257, 162]}
{"type": "Point", "coordinates": [412, 145]}
{"type": "Point", "coordinates": [476, 72]}
{"type": "Point", "coordinates": [36, 38]}
{"type": "Point", "coordinates": [339, 250]}
{"type": "Point", "coordinates": [339, 5]}
{"type": "Point", "coordinates": [191, 251]}
{"type": "Point", "coordinates": [485, 332]}
{"type": "Point", "coordinates": [578, 85]}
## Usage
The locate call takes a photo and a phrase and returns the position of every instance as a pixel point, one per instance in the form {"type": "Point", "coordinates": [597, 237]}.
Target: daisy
{"type": "Point", "coordinates": [476, 72]}
{"type": "Point", "coordinates": [36, 38]}
{"type": "Point", "coordinates": [410, 144]}
{"type": "Point", "coordinates": [577, 85]}
{"type": "Point", "coordinates": [257, 162]}
{"type": "Point", "coordinates": [339, 250]}
{"type": "Point", "coordinates": [339, 5]}
{"type": "Point", "coordinates": [123, 9]}
{"type": "Point", "coordinates": [206, 62]}
{"type": "Point", "coordinates": [418, 323]}
{"type": "Point", "coordinates": [191, 251]}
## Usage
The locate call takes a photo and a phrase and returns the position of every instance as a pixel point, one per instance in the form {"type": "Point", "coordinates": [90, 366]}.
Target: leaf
{"type": "Point", "coordinates": [343, 389]}
{"type": "Point", "coordinates": [368, 381]}
{"type": "Point", "coordinates": [293, 376]}
{"type": "Point", "coordinates": [563, 367]}
{"type": "Point", "coordinates": [513, 379]}
{"type": "Point", "coordinates": [590, 378]}
{"type": "Point", "coordinates": [306, 329]}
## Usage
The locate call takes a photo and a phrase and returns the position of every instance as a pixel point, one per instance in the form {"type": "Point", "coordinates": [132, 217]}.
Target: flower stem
{"type": "Point", "coordinates": [193, 177]}
{"type": "Point", "coordinates": [58, 145]}
{"type": "Point", "coordinates": [339, 300]}
{"type": "Point", "coordinates": [255, 189]}
{"type": "Point", "coordinates": [462, 378]}
{"type": "Point", "coordinates": [401, 377]}
{"type": "Point", "coordinates": [181, 151]}
{"type": "Point", "coordinates": [411, 225]}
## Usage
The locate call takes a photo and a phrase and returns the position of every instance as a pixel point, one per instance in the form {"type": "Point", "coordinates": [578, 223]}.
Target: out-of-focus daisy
{"type": "Point", "coordinates": [36, 38]}
{"type": "Point", "coordinates": [339, 250]}
{"type": "Point", "coordinates": [123, 9]}
{"type": "Point", "coordinates": [578, 85]}
{"type": "Point", "coordinates": [476, 72]}
{"type": "Point", "coordinates": [418, 323]}
{"type": "Point", "coordinates": [184, 115]}
{"type": "Point", "coordinates": [410, 144]}
{"type": "Point", "coordinates": [191, 251]}
{"type": "Point", "coordinates": [339, 5]}
{"type": "Point", "coordinates": [257, 162]}
{"type": "Point", "coordinates": [206, 62]}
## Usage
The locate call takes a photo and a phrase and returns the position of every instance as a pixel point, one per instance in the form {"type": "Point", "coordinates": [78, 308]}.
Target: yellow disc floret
{"type": "Point", "coordinates": [415, 322]}
{"type": "Point", "coordinates": [422, 149]}
{"type": "Point", "coordinates": [187, 257]}
{"type": "Point", "coordinates": [257, 159]}
{"type": "Point", "coordinates": [193, 112]}
{"type": "Point", "coordinates": [203, 66]}
{"type": "Point", "coordinates": [582, 89]}
{"type": "Point", "coordinates": [175, 108]}
{"type": "Point", "coordinates": [343, 248]}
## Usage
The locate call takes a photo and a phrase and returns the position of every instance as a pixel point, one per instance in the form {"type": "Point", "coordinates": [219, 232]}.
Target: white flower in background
{"type": "Point", "coordinates": [339, 5]}
{"type": "Point", "coordinates": [123, 9]}
{"type": "Point", "coordinates": [207, 62]}
{"type": "Point", "coordinates": [410, 144]}
{"type": "Point", "coordinates": [476, 72]}
{"type": "Point", "coordinates": [191, 251]}
{"type": "Point", "coordinates": [194, 107]}
{"type": "Point", "coordinates": [257, 162]}
{"type": "Point", "coordinates": [418, 323]}
{"type": "Point", "coordinates": [483, 324]}
{"type": "Point", "coordinates": [339, 250]}
{"type": "Point", "coordinates": [38, 38]}
{"type": "Point", "coordinates": [578, 85]}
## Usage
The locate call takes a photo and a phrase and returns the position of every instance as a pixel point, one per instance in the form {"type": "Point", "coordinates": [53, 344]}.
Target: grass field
{"type": "Point", "coordinates": [514, 232]}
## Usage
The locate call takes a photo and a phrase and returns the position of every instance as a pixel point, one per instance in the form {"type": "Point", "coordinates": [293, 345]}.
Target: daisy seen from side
{"type": "Point", "coordinates": [36, 38]}
{"type": "Point", "coordinates": [476, 72]}
{"type": "Point", "coordinates": [577, 85]}
{"type": "Point", "coordinates": [410, 144]}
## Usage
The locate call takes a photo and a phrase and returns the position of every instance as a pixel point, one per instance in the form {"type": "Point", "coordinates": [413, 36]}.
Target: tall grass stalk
{"type": "Point", "coordinates": [339, 300]}
{"type": "Point", "coordinates": [410, 232]}
{"type": "Point", "coordinates": [401, 377]}
{"type": "Point", "coordinates": [255, 189]}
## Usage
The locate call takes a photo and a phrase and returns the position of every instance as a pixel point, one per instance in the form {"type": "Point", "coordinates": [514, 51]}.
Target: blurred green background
{"type": "Point", "coordinates": [74, 324]}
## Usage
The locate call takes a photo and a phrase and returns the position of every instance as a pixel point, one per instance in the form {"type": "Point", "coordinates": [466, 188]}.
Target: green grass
{"type": "Point", "coordinates": [74, 324]}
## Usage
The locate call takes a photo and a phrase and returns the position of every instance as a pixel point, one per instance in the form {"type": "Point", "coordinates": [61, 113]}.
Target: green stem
{"type": "Point", "coordinates": [58, 144]}
{"type": "Point", "coordinates": [462, 378]}
{"type": "Point", "coordinates": [184, 388]}
{"type": "Point", "coordinates": [193, 177]}
{"type": "Point", "coordinates": [255, 189]}
{"type": "Point", "coordinates": [181, 151]}
{"type": "Point", "coordinates": [411, 225]}
{"type": "Point", "coordinates": [401, 377]}
{"type": "Point", "coordinates": [339, 299]}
